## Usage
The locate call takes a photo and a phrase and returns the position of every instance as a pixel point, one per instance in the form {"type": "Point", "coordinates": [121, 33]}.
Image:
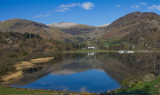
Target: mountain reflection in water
{"type": "Point", "coordinates": [94, 72]}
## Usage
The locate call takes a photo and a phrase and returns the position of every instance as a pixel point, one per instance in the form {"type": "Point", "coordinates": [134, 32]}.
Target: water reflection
{"type": "Point", "coordinates": [88, 81]}
{"type": "Point", "coordinates": [94, 72]}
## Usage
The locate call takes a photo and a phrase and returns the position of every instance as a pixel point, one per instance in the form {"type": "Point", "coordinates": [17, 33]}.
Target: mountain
{"type": "Point", "coordinates": [78, 29]}
{"type": "Point", "coordinates": [63, 24]}
{"type": "Point", "coordinates": [72, 28]}
{"type": "Point", "coordinates": [1, 21]}
{"type": "Point", "coordinates": [136, 29]}
{"type": "Point", "coordinates": [22, 26]}
{"type": "Point", "coordinates": [58, 31]}
{"type": "Point", "coordinates": [103, 25]}
{"type": "Point", "coordinates": [79, 32]}
{"type": "Point", "coordinates": [130, 23]}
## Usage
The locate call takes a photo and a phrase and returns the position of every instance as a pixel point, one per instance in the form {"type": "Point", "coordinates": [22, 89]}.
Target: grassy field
{"type": "Point", "coordinates": [20, 91]}
{"type": "Point", "coordinates": [143, 88]}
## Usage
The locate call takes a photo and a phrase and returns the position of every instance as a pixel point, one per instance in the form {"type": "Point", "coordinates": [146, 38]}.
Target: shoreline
{"type": "Point", "coordinates": [14, 76]}
{"type": "Point", "coordinates": [146, 88]}
{"type": "Point", "coordinates": [40, 91]}
{"type": "Point", "coordinates": [102, 50]}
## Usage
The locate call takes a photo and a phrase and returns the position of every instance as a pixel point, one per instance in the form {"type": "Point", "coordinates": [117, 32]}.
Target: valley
{"type": "Point", "coordinates": [123, 54]}
{"type": "Point", "coordinates": [134, 31]}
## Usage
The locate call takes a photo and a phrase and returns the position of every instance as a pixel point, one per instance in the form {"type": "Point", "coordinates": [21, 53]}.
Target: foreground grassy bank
{"type": "Point", "coordinates": [142, 88]}
{"type": "Point", "coordinates": [21, 91]}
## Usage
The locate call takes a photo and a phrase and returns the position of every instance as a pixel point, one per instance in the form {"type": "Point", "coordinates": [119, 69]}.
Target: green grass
{"type": "Point", "coordinates": [20, 91]}
{"type": "Point", "coordinates": [87, 50]}
{"type": "Point", "coordinates": [143, 88]}
{"type": "Point", "coordinates": [110, 42]}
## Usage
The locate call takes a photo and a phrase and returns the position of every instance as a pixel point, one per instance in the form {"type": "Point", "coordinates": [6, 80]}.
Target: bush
{"type": "Point", "coordinates": [11, 55]}
{"type": "Point", "coordinates": [24, 53]}
{"type": "Point", "coordinates": [125, 83]}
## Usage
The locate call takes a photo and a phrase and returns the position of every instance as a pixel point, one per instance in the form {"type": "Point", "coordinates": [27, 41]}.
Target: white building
{"type": "Point", "coordinates": [91, 47]}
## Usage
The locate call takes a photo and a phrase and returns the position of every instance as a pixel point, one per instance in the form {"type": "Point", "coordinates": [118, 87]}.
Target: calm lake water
{"type": "Point", "coordinates": [89, 72]}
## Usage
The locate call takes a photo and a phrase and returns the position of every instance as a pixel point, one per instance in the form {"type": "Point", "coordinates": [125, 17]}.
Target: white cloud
{"type": "Point", "coordinates": [118, 5]}
{"type": "Point", "coordinates": [135, 6]}
{"type": "Point", "coordinates": [143, 3]}
{"type": "Point", "coordinates": [41, 15]}
{"type": "Point", "coordinates": [87, 5]}
{"type": "Point", "coordinates": [154, 7]}
{"type": "Point", "coordinates": [62, 9]}
{"type": "Point", "coordinates": [65, 7]}
{"type": "Point", "coordinates": [69, 5]}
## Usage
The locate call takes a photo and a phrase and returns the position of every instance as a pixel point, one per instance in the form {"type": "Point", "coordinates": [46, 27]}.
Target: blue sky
{"type": "Point", "coordinates": [91, 12]}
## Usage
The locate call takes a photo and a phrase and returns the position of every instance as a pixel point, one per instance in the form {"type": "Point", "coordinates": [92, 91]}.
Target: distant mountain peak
{"type": "Point", "coordinates": [103, 25]}
{"type": "Point", "coordinates": [63, 24]}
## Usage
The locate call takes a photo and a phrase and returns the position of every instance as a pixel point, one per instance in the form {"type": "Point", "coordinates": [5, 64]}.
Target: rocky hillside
{"type": "Point", "coordinates": [22, 26]}
{"type": "Point", "coordinates": [129, 23]}
{"type": "Point", "coordinates": [136, 29]}
{"type": "Point", "coordinates": [58, 31]}
{"type": "Point", "coordinates": [80, 31]}
{"type": "Point", "coordinates": [72, 28]}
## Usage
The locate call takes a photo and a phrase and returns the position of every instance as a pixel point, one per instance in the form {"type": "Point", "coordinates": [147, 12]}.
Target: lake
{"type": "Point", "coordinates": [89, 72]}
